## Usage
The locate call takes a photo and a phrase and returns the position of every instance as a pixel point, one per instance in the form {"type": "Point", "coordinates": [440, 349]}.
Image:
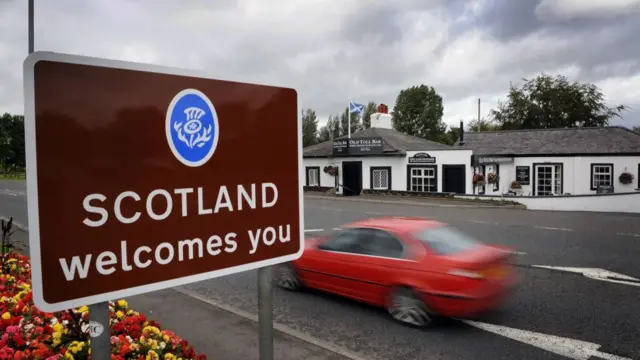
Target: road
{"type": "Point", "coordinates": [548, 302]}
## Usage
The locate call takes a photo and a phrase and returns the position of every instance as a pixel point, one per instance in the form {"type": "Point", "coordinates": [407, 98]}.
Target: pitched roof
{"type": "Point", "coordinates": [393, 143]}
{"type": "Point", "coordinates": [591, 140]}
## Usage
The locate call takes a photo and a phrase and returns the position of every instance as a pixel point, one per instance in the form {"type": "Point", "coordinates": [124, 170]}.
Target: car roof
{"type": "Point", "coordinates": [396, 223]}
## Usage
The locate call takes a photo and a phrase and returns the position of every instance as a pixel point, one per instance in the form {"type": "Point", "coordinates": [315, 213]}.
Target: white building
{"type": "Point", "coordinates": [382, 159]}
{"type": "Point", "coordinates": [571, 161]}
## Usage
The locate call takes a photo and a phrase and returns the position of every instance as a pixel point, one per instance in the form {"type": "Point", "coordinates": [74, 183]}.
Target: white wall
{"type": "Point", "coordinates": [576, 173]}
{"type": "Point", "coordinates": [446, 157]}
{"type": "Point", "coordinates": [623, 203]}
{"type": "Point", "coordinates": [398, 167]}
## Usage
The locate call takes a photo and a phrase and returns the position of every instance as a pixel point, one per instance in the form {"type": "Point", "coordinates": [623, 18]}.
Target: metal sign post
{"type": "Point", "coordinates": [265, 312]}
{"type": "Point", "coordinates": [99, 331]}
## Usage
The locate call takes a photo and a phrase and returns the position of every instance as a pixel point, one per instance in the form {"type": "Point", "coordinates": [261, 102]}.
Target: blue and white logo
{"type": "Point", "coordinates": [192, 127]}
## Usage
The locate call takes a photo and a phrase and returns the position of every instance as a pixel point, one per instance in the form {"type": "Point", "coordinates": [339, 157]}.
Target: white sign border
{"type": "Point", "coordinates": [32, 186]}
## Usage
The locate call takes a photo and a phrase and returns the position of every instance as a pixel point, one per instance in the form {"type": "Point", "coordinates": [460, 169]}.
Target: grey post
{"type": "Point", "coordinates": [99, 331]}
{"type": "Point", "coordinates": [31, 26]}
{"type": "Point", "coordinates": [265, 312]}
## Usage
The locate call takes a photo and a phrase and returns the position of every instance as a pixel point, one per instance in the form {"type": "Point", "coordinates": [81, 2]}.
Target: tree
{"type": "Point", "coordinates": [636, 129]}
{"type": "Point", "coordinates": [330, 130]}
{"type": "Point", "coordinates": [450, 136]}
{"type": "Point", "coordinates": [12, 152]}
{"type": "Point", "coordinates": [369, 110]}
{"type": "Point", "coordinates": [554, 102]}
{"type": "Point", "coordinates": [482, 124]}
{"type": "Point", "coordinates": [418, 111]}
{"type": "Point", "coordinates": [309, 127]}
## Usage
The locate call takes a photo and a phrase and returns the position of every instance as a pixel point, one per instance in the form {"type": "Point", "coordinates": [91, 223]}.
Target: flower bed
{"type": "Point", "coordinates": [28, 333]}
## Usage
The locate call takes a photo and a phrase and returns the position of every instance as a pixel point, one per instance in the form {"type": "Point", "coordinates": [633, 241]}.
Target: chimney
{"type": "Point", "coordinates": [461, 133]}
{"type": "Point", "coordinates": [381, 119]}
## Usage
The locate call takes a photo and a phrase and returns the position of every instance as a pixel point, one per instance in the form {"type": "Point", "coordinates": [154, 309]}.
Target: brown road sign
{"type": "Point", "coordinates": [142, 177]}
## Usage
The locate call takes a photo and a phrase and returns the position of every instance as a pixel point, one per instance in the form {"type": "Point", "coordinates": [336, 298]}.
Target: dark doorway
{"type": "Point", "coordinates": [453, 179]}
{"type": "Point", "coordinates": [351, 178]}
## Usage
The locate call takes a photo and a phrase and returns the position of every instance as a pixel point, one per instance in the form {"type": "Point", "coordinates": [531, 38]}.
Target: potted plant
{"type": "Point", "coordinates": [493, 178]}
{"type": "Point", "coordinates": [515, 184]}
{"type": "Point", "coordinates": [331, 170]}
{"type": "Point", "coordinates": [626, 178]}
{"type": "Point", "coordinates": [478, 180]}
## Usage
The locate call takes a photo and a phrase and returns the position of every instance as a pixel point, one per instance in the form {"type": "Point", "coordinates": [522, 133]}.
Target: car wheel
{"type": "Point", "coordinates": [408, 308]}
{"type": "Point", "coordinates": [287, 277]}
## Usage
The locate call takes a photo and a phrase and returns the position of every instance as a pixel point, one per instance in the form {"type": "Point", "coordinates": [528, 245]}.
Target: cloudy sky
{"type": "Point", "coordinates": [330, 50]}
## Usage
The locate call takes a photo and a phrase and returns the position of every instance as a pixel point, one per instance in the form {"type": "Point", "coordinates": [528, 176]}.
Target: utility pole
{"type": "Point", "coordinates": [479, 115]}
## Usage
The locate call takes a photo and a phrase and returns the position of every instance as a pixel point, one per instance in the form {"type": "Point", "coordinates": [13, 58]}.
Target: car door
{"type": "Point", "coordinates": [385, 262]}
{"type": "Point", "coordinates": [331, 266]}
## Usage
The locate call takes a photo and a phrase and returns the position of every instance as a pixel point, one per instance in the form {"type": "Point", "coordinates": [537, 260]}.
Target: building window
{"type": "Point", "coordinates": [601, 175]}
{"type": "Point", "coordinates": [548, 179]}
{"type": "Point", "coordinates": [380, 177]}
{"type": "Point", "coordinates": [423, 179]}
{"type": "Point", "coordinates": [313, 176]}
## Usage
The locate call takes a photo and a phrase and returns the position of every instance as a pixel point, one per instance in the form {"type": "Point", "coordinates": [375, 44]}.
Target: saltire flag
{"type": "Point", "coordinates": [354, 107]}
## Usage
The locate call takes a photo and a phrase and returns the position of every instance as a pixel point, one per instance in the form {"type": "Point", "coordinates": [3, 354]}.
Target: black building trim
{"type": "Point", "coordinates": [593, 165]}
{"type": "Point", "coordinates": [372, 168]}
{"type": "Point", "coordinates": [306, 174]}
{"type": "Point", "coordinates": [535, 172]}
{"type": "Point", "coordinates": [435, 173]}
{"type": "Point", "coordinates": [496, 186]}
{"type": "Point", "coordinates": [554, 155]}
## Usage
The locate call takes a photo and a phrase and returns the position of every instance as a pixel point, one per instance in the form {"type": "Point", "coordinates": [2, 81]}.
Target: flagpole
{"type": "Point", "coordinates": [349, 119]}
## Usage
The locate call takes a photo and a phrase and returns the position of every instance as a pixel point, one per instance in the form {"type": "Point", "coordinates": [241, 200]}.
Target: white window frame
{"type": "Point", "coordinates": [603, 170]}
{"type": "Point", "coordinates": [373, 176]}
{"type": "Point", "coordinates": [555, 181]}
{"type": "Point", "coordinates": [313, 179]}
{"type": "Point", "coordinates": [431, 179]}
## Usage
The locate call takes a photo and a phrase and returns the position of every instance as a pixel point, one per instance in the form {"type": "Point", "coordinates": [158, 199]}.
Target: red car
{"type": "Point", "coordinates": [416, 268]}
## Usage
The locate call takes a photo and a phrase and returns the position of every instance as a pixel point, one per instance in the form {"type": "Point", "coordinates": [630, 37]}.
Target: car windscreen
{"type": "Point", "coordinates": [446, 240]}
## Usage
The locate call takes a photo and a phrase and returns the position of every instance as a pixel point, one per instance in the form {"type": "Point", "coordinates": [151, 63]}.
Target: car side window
{"type": "Point", "coordinates": [384, 244]}
{"type": "Point", "coordinates": [347, 241]}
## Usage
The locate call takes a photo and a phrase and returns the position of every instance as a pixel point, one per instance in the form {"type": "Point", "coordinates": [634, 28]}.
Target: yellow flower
{"type": "Point", "coordinates": [122, 303]}
{"type": "Point", "coordinates": [119, 314]}
{"type": "Point", "coordinates": [169, 356]}
{"type": "Point", "coordinates": [13, 267]}
{"type": "Point", "coordinates": [57, 327]}
{"type": "Point", "coordinates": [166, 337]}
{"type": "Point", "coordinates": [83, 309]}
{"type": "Point", "coordinates": [6, 316]}
{"type": "Point", "coordinates": [68, 355]}
{"type": "Point", "coordinates": [152, 355]}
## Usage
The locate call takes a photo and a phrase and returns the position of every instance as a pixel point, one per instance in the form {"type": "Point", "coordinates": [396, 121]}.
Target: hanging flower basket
{"type": "Point", "coordinates": [626, 178]}
{"type": "Point", "coordinates": [478, 180]}
{"type": "Point", "coordinates": [493, 178]}
{"type": "Point", "coordinates": [331, 170]}
{"type": "Point", "coordinates": [516, 185]}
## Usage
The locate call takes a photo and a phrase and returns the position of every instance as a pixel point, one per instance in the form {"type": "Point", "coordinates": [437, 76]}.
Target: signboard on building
{"type": "Point", "coordinates": [358, 146]}
{"type": "Point", "coordinates": [523, 175]}
{"type": "Point", "coordinates": [422, 158]}
{"type": "Point", "coordinates": [155, 184]}
{"type": "Point", "coordinates": [484, 160]}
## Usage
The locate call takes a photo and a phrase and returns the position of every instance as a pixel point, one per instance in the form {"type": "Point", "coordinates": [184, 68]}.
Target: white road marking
{"type": "Point", "coordinates": [596, 274]}
{"type": "Point", "coordinates": [551, 228]}
{"type": "Point", "coordinates": [570, 348]}
{"type": "Point", "coordinates": [278, 327]}
{"type": "Point", "coordinates": [628, 234]}
{"type": "Point", "coordinates": [337, 229]}
{"type": "Point", "coordinates": [313, 230]}
{"type": "Point", "coordinates": [480, 222]}
{"type": "Point", "coordinates": [374, 213]}
{"type": "Point", "coordinates": [12, 192]}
